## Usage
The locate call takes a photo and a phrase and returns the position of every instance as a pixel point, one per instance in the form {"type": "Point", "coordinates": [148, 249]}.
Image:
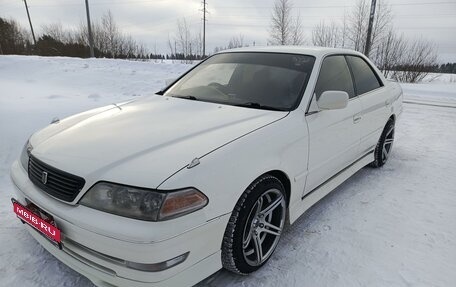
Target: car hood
{"type": "Point", "coordinates": [142, 143]}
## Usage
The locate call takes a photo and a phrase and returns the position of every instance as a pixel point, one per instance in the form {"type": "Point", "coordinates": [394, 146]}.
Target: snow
{"type": "Point", "coordinates": [436, 89]}
{"type": "Point", "coordinates": [393, 226]}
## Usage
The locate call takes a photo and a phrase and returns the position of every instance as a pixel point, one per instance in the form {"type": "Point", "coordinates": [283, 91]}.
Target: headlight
{"type": "Point", "coordinates": [25, 155]}
{"type": "Point", "coordinates": [144, 204]}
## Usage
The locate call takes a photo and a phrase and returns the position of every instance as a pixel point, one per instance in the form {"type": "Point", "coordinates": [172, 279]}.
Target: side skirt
{"type": "Point", "coordinates": [312, 197]}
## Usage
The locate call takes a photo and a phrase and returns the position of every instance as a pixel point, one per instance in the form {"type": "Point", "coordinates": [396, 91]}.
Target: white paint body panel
{"type": "Point", "coordinates": [334, 142]}
{"type": "Point", "coordinates": [149, 143]}
{"type": "Point", "coordinates": [145, 141]}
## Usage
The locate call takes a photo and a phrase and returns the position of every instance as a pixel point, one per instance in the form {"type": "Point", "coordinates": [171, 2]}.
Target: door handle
{"type": "Point", "coordinates": [388, 102]}
{"type": "Point", "coordinates": [356, 118]}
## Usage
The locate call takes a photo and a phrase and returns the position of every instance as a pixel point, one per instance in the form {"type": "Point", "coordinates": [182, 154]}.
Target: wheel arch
{"type": "Point", "coordinates": [284, 179]}
{"type": "Point", "coordinates": [392, 118]}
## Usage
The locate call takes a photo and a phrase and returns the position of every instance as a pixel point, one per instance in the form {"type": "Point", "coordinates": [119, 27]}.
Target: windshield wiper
{"type": "Point", "coordinates": [255, 105]}
{"type": "Point", "coordinates": [187, 97]}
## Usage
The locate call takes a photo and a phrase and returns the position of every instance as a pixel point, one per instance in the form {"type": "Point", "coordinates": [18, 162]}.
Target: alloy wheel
{"type": "Point", "coordinates": [387, 144]}
{"type": "Point", "coordinates": [263, 227]}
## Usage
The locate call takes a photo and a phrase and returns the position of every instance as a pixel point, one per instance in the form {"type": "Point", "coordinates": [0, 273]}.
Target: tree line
{"type": "Point", "coordinates": [398, 57]}
{"type": "Point", "coordinates": [109, 41]}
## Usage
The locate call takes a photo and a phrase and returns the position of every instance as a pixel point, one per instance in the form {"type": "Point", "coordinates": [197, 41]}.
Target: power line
{"type": "Point", "coordinates": [244, 16]}
{"type": "Point", "coordinates": [338, 6]}
{"type": "Point", "coordinates": [259, 25]}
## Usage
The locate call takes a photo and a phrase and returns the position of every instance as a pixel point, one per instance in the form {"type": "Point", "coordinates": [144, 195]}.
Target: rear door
{"type": "Point", "coordinates": [333, 134]}
{"type": "Point", "coordinates": [371, 92]}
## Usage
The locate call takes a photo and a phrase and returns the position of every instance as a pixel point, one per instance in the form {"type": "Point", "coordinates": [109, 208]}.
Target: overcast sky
{"type": "Point", "coordinates": [150, 21]}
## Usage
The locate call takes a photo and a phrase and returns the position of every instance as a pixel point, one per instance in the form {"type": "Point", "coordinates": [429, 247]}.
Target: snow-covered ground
{"type": "Point", "coordinates": [394, 226]}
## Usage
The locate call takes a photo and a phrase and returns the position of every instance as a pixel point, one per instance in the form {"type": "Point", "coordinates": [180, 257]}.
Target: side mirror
{"type": "Point", "coordinates": [332, 100]}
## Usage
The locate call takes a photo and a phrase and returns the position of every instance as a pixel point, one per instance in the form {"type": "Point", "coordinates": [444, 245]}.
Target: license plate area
{"type": "Point", "coordinates": [42, 221]}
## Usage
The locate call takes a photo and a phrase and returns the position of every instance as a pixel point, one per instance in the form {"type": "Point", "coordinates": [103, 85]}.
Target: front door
{"type": "Point", "coordinates": [334, 135]}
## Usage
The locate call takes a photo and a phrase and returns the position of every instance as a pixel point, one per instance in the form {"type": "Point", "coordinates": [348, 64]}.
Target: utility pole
{"type": "Point", "coordinates": [89, 28]}
{"type": "Point", "coordinates": [369, 29]}
{"type": "Point", "coordinates": [30, 21]}
{"type": "Point", "coordinates": [204, 28]}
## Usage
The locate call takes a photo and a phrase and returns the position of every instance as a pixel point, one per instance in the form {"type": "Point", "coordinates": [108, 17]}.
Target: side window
{"type": "Point", "coordinates": [365, 78]}
{"type": "Point", "coordinates": [334, 76]}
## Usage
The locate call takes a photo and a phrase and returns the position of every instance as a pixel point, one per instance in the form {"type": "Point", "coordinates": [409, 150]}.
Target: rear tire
{"type": "Point", "coordinates": [384, 145]}
{"type": "Point", "coordinates": [255, 226]}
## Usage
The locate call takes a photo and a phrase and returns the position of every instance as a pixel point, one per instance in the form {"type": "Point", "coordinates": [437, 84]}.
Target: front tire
{"type": "Point", "coordinates": [384, 145]}
{"type": "Point", "coordinates": [255, 226]}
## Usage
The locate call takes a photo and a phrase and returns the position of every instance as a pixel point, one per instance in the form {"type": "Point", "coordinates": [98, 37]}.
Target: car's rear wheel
{"type": "Point", "coordinates": [384, 145]}
{"type": "Point", "coordinates": [255, 226]}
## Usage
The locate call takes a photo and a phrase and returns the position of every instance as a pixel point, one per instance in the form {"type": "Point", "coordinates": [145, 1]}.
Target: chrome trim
{"type": "Point", "coordinates": [44, 177]}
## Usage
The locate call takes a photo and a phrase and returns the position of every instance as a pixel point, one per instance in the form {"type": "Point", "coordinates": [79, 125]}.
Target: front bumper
{"type": "Point", "coordinates": [101, 257]}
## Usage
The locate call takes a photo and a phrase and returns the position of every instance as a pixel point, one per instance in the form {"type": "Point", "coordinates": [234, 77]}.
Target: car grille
{"type": "Point", "coordinates": [60, 184]}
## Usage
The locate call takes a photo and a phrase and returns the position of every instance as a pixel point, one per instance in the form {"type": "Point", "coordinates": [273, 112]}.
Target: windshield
{"type": "Point", "coordinates": [257, 80]}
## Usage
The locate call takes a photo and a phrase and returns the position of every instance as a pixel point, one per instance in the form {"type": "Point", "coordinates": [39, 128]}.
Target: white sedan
{"type": "Point", "coordinates": [168, 189]}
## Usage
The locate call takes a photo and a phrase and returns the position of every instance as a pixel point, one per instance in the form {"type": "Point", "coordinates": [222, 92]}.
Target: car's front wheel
{"type": "Point", "coordinates": [255, 226]}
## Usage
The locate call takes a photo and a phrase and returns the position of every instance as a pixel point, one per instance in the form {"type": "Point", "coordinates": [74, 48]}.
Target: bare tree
{"type": "Point", "coordinates": [236, 42]}
{"type": "Point", "coordinates": [285, 29]}
{"type": "Point", "coordinates": [171, 48]}
{"type": "Point", "coordinates": [396, 56]}
{"type": "Point", "coordinates": [57, 32]}
{"type": "Point", "coordinates": [281, 23]}
{"type": "Point", "coordinates": [110, 37]}
{"type": "Point", "coordinates": [418, 60]}
{"type": "Point", "coordinates": [390, 53]}
{"type": "Point", "coordinates": [403, 60]}
{"type": "Point", "coordinates": [188, 44]}
{"type": "Point", "coordinates": [297, 33]}
{"type": "Point", "coordinates": [107, 37]}
{"type": "Point", "coordinates": [357, 25]}
{"type": "Point", "coordinates": [81, 34]}
{"type": "Point", "coordinates": [383, 23]}
{"type": "Point", "coordinates": [327, 35]}
{"type": "Point", "coordinates": [356, 30]}
{"type": "Point", "coordinates": [352, 32]}
{"type": "Point", "coordinates": [14, 39]}
{"type": "Point", "coordinates": [198, 44]}
{"type": "Point", "coordinates": [183, 37]}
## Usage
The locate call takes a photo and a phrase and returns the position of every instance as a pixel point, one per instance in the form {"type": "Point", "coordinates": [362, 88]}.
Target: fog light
{"type": "Point", "coordinates": [155, 267]}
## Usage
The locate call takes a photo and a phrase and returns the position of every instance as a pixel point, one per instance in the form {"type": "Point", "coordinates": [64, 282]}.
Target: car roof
{"type": "Point", "coordinates": [312, 51]}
